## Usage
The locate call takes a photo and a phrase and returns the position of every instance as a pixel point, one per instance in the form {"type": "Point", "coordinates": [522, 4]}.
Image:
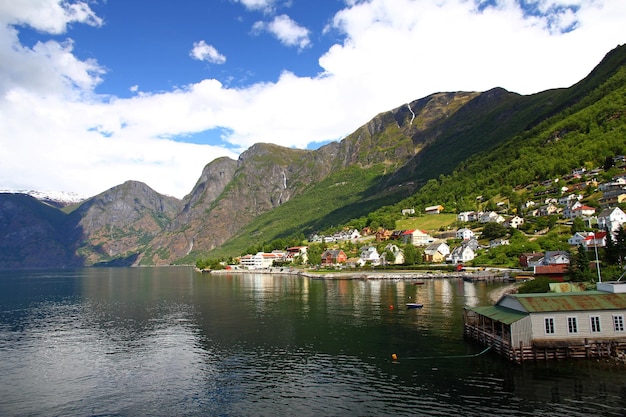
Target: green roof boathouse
{"type": "Point", "coordinates": [521, 327]}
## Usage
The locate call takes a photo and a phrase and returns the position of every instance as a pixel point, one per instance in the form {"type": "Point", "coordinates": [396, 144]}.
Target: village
{"type": "Point", "coordinates": [573, 320]}
{"type": "Point", "coordinates": [458, 247]}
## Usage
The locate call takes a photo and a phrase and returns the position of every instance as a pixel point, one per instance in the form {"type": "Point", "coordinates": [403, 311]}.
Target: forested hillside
{"type": "Point", "coordinates": [493, 146]}
{"type": "Point", "coordinates": [582, 135]}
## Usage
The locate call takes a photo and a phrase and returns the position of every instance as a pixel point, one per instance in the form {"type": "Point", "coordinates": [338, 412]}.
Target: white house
{"type": "Point", "coordinates": [354, 234]}
{"type": "Point", "coordinates": [498, 242]}
{"type": "Point", "coordinates": [491, 217]}
{"type": "Point", "coordinates": [369, 254]}
{"type": "Point", "coordinates": [514, 222]}
{"type": "Point", "coordinates": [408, 211]}
{"type": "Point", "coordinates": [261, 260]}
{"type": "Point", "coordinates": [570, 199]}
{"type": "Point", "coordinates": [611, 219]}
{"type": "Point", "coordinates": [582, 212]}
{"type": "Point", "coordinates": [464, 234]}
{"type": "Point", "coordinates": [298, 252]}
{"type": "Point", "coordinates": [595, 240]}
{"type": "Point", "coordinates": [467, 216]}
{"type": "Point", "coordinates": [545, 321]}
{"type": "Point", "coordinates": [568, 211]}
{"type": "Point", "coordinates": [578, 238]}
{"type": "Point", "coordinates": [398, 255]}
{"type": "Point", "coordinates": [461, 254]}
{"type": "Point", "coordinates": [556, 257]}
{"type": "Point", "coordinates": [417, 237]}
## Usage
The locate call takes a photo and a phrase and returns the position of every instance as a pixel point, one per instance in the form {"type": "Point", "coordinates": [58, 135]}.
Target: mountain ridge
{"type": "Point", "coordinates": [272, 191]}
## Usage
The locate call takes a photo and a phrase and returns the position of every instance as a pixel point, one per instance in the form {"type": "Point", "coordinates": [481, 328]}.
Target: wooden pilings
{"type": "Point", "coordinates": [537, 352]}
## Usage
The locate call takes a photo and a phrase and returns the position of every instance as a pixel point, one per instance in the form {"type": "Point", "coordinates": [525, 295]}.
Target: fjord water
{"type": "Point", "coordinates": [173, 342]}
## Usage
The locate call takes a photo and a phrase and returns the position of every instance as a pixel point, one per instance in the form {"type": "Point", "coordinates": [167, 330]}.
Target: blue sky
{"type": "Point", "coordinates": [97, 92]}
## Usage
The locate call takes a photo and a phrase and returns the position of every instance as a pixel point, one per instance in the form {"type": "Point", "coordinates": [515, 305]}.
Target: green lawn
{"type": "Point", "coordinates": [429, 222]}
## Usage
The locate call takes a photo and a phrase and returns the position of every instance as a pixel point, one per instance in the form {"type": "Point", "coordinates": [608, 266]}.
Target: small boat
{"type": "Point", "coordinates": [414, 305]}
{"type": "Point", "coordinates": [418, 283]}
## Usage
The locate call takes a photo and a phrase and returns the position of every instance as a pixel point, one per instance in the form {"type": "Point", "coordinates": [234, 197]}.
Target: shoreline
{"type": "Point", "coordinates": [367, 275]}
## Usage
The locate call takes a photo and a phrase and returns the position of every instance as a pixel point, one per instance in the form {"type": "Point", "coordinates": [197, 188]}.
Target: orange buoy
{"type": "Point", "coordinates": [394, 356]}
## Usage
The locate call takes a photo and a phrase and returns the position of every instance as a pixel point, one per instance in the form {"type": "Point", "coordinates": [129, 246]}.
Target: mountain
{"type": "Point", "coordinates": [58, 199]}
{"type": "Point", "coordinates": [34, 234]}
{"type": "Point", "coordinates": [401, 155]}
{"type": "Point", "coordinates": [115, 227]}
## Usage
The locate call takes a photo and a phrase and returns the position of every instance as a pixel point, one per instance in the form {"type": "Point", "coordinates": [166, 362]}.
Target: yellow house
{"type": "Point", "coordinates": [434, 209]}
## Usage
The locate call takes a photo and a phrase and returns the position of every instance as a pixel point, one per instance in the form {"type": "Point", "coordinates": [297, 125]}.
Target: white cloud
{"type": "Point", "coordinates": [203, 52]}
{"type": "Point", "coordinates": [266, 6]}
{"type": "Point", "coordinates": [287, 31]}
{"type": "Point", "coordinates": [55, 133]}
{"type": "Point", "coordinates": [50, 16]}
{"type": "Point", "coordinates": [48, 67]}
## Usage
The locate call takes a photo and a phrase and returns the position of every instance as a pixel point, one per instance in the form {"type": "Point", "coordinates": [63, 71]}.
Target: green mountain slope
{"type": "Point", "coordinates": [590, 126]}
{"type": "Point", "coordinates": [489, 144]}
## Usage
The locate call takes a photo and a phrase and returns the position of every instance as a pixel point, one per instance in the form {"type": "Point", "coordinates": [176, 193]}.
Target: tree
{"type": "Point", "coordinates": [620, 244]}
{"type": "Point", "coordinates": [578, 225]}
{"type": "Point", "coordinates": [611, 255]}
{"type": "Point", "coordinates": [314, 254]}
{"type": "Point", "coordinates": [410, 254]}
{"type": "Point", "coordinates": [608, 163]}
{"type": "Point", "coordinates": [494, 231]}
{"type": "Point", "coordinates": [579, 270]}
{"type": "Point", "coordinates": [389, 256]}
{"type": "Point", "coordinates": [537, 285]}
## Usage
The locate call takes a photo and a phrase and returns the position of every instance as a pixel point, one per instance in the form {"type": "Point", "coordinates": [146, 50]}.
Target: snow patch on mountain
{"type": "Point", "coordinates": [61, 197]}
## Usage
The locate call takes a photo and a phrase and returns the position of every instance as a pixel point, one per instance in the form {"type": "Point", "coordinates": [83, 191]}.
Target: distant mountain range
{"type": "Point", "coordinates": [272, 191]}
{"type": "Point", "coordinates": [54, 198]}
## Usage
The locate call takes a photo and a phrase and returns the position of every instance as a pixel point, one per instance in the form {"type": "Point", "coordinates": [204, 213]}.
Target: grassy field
{"type": "Point", "coordinates": [431, 222]}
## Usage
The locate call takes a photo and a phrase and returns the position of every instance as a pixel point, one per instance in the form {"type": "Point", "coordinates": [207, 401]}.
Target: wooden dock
{"type": "Point", "coordinates": [586, 349]}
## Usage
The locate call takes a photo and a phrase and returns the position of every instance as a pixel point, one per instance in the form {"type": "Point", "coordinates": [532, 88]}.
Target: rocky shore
{"type": "Point", "coordinates": [367, 275]}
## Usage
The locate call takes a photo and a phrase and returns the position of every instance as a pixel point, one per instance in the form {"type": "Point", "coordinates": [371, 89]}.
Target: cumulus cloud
{"type": "Point", "coordinates": [55, 133]}
{"type": "Point", "coordinates": [47, 67]}
{"type": "Point", "coordinates": [266, 6]}
{"type": "Point", "coordinates": [49, 16]}
{"type": "Point", "coordinates": [287, 31]}
{"type": "Point", "coordinates": [203, 52]}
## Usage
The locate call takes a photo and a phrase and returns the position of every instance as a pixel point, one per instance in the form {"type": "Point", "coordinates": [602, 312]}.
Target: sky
{"type": "Point", "coordinates": [97, 92]}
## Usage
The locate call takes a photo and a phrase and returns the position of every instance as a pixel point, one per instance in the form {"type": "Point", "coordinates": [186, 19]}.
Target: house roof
{"type": "Point", "coordinates": [608, 211]}
{"type": "Point", "coordinates": [499, 313]}
{"type": "Point", "coordinates": [551, 269]}
{"type": "Point", "coordinates": [595, 236]}
{"type": "Point", "coordinates": [581, 301]}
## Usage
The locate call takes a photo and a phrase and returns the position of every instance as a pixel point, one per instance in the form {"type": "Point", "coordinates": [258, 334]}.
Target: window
{"type": "Point", "coordinates": [572, 325]}
{"type": "Point", "coordinates": [618, 323]}
{"type": "Point", "coordinates": [549, 323]}
{"type": "Point", "coordinates": [595, 324]}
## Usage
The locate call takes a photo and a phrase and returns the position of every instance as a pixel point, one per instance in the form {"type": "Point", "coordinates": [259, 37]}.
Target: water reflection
{"type": "Point", "coordinates": [168, 341]}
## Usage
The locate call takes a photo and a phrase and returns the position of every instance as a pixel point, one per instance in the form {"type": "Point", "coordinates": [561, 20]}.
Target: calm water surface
{"type": "Point", "coordinates": [171, 342]}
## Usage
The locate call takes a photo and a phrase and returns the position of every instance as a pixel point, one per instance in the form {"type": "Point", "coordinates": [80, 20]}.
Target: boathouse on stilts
{"type": "Point", "coordinates": [522, 327]}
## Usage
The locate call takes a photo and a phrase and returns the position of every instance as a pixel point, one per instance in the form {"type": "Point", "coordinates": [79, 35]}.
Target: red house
{"type": "Point", "coordinates": [333, 257]}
